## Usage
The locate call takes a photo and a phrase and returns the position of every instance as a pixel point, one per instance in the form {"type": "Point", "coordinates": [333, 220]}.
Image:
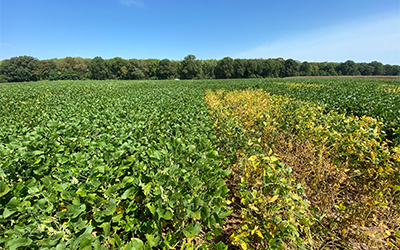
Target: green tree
{"type": "Point", "coordinates": [54, 76]}
{"type": "Point", "coordinates": [19, 69]}
{"type": "Point", "coordinates": [379, 69]}
{"type": "Point", "coordinates": [365, 69]}
{"type": "Point", "coordinates": [3, 78]}
{"type": "Point", "coordinates": [165, 69]}
{"type": "Point", "coordinates": [348, 68]}
{"type": "Point", "coordinates": [152, 65]}
{"type": "Point", "coordinates": [292, 68]}
{"type": "Point", "coordinates": [115, 66]}
{"type": "Point", "coordinates": [305, 69]}
{"type": "Point", "coordinates": [144, 66]}
{"type": "Point", "coordinates": [70, 62]}
{"type": "Point", "coordinates": [190, 67]}
{"type": "Point", "coordinates": [208, 67]}
{"type": "Point", "coordinates": [395, 70]}
{"type": "Point", "coordinates": [280, 66]}
{"type": "Point", "coordinates": [65, 63]}
{"type": "Point", "coordinates": [260, 67]}
{"type": "Point", "coordinates": [239, 66]}
{"type": "Point", "coordinates": [81, 66]}
{"type": "Point", "coordinates": [124, 72]}
{"type": "Point", "coordinates": [98, 68]}
{"type": "Point", "coordinates": [329, 68]}
{"type": "Point", "coordinates": [388, 69]}
{"type": "Point", "coordinates": [225, 68]}
{"type": "Point", "coordinates": [134, 67]}
{"type": "Point", "coordinates": [42, 69]}
{"type": "Point", "coordinates": [69, 74]}
{"type": "Point", "coordinates": [269, 69]}
{"type": "Point", "coordinates": [254, 68]}
{"type": "Point", "coordinates": [177, 67]}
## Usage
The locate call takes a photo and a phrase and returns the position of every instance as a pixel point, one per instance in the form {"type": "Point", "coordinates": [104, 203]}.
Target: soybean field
{"type": "Point", "coordinates": [200, 164]}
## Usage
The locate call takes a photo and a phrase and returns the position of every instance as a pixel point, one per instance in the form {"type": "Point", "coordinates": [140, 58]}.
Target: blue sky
{"type": "Point", "coordinates": [308, 30]}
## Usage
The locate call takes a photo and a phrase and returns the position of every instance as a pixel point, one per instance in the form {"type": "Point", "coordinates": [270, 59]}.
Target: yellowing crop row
{"type": "Point", "coordinates": [349, 173]}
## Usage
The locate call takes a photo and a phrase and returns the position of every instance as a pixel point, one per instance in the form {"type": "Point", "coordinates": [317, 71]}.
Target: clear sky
{"type": "Point", "coordinates": [307, 30]}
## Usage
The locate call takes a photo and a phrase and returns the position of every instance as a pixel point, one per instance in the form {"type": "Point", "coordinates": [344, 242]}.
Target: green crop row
{"type": "Point", "coordinates": [120, 165]}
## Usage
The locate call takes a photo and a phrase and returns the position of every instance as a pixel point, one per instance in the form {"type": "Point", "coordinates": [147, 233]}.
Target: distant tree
{"type": "Point", "coordinates": [70, 62]}
{"type": "Point", "coordinates": [109, 73]}
{"type": "Point", "coordinates": [348, 68]}
{"type": "Point", "coordinates": [322, 72]}
{"type": "Point", "coordinates": [165, 69]}
{"type": "Point", "coordinates": [269, 69]}
{"type": "Point", "coordinates": [152, 66]}
{"type": "Point", "coordinates": [305, 69]}
{"type": "Point", "coordinates": [87, 62]}
{"type": "Point", "coordinates": [54, 76]}
{"type": "Point", "coordinates": [81, 66]}
{"type": "Point", "coordinates": [115, 66]}
{"type": "Point", "coordinates": [61, 65]}
{"type": "Point", "coordinates": [280, 66]}
{"type": "Point", "coordinates": [25, 68]}
{"type": "Point", "coordinates": [98, 68]}
{"type": "Point", "coordinates": [315, 69]}
{"type": "Point", "coordinates": [354, 72]}
{"type": "Point", "coordinates": [254, 68]}
{"type": "Point", "coordinates": [177, 67]}
{"type": "Point", "coordinates": [392, 70]}
{"type": "Point", "coordinates": [239, 66]}
{"type": "Point", "coordinates": [225, 68]}
{"type": "Point", "coordinates": [65, 63]}
{"type": "Point", "coordinates": [19, 69]}
{"type": "Point", "coordinates": [292, 67]}
{"type": "Point", "coordinates": [130, 67]}
{"type": "Point", "coordinates": [190, 67]}
{"type": "Point", "coordinates": [69, 74]}
{"type": "Point", "coordinates": [260, 67]}
{"type": "Point", "coordinates": [134, 67]}
{"type": "Point", "coordinates": [43, 67]}
{"type": "Point", "coordinates": [144, 66]}
{"type": "Point", "coordinates": [395, 70]}
{"type": "Point", "coordinates": [208, 68]}
{"type": "Point", "coordinates": [329, 68]}
{"type": "Point", "coordinates": [388, 69]}
{"type": "Point", "coordinates": [365, 69]}
{"type": "Point", "coordinates": [124, 72]}
{"type": "Point", "coordinates": [379, 69]}
{"type": "Point", "coordinates": [3, 78]}
{"type": "Point", "coordinates": [250, 67]}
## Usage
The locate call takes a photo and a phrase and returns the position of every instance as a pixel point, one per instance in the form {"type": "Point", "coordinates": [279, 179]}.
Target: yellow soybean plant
{"type": "Point", "coordinates": [349, 172]}
{"type": "Point", "coordinates": [273, 211]}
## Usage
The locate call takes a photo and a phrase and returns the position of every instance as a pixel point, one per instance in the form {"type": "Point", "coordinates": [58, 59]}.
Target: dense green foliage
{"type": "Point", "coordinates": [18, 69]}
{"type": "Point", "coordinates": [25, 68]}
{"type": "Point", "coordinates": [106, 164]}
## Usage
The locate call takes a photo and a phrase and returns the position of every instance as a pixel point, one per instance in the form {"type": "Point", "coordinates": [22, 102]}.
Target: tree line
{"type": "Point", "coordinates": [27, 68]}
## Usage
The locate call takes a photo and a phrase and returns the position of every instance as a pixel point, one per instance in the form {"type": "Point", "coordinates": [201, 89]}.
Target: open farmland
{"type": "Point", "coordinates": [250, 164]}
